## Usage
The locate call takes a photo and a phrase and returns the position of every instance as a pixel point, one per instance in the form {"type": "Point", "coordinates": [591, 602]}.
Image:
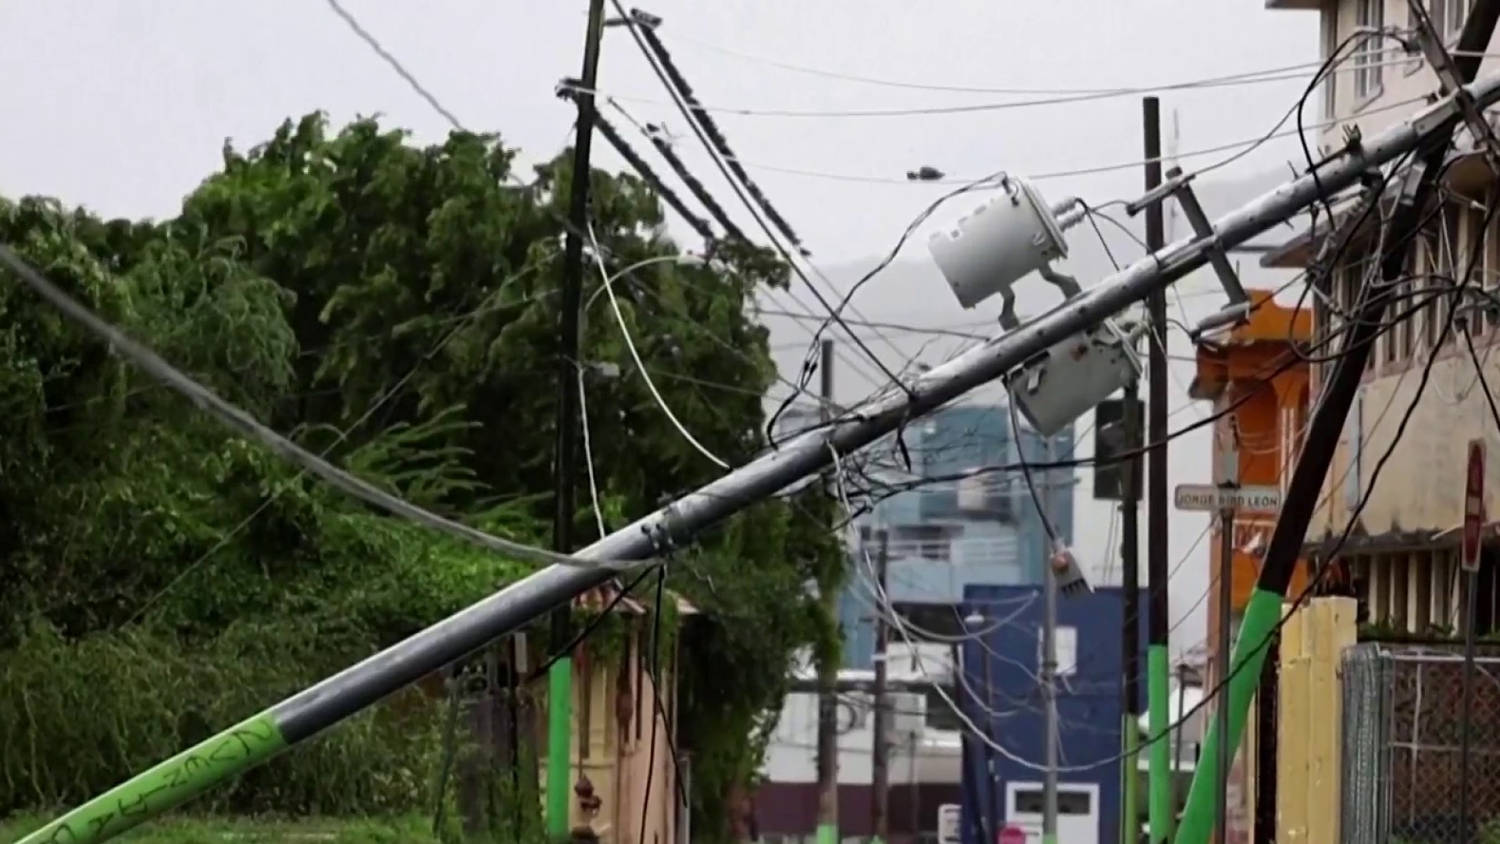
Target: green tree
{"type": "Point", "coordinates": [394, 305]}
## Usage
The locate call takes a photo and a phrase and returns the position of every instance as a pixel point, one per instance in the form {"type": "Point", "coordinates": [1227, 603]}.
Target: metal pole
{"type": "Point", "coordinates": [306, 713]}
{"type": "Point", "coordinates": [560, 677]}
{"type": "Point", "coordinates": [880, 774]}
{"type": "Point", "coordinates": [1157, 668]}
{"type": "Point", "coordinates": [828, 740]}
{"type": "Point", "coordinates": [1130, 636]}
{"type": "Point", "coordinates": [1229, 478]}
{"type": "Point", "coordinates": [1049, 682]}
{"type": "Point", "coordinates": [977, 821]}
{"type": "Point", "coordinates": [1471, 583]}
{"type": "Point", "coordinates": [993, 811]}
{"type": "Point", "coordinates": [1181, 708]}
{"type": "Point", "coordinates": [1221, 711]}
{"type": "Point", "coordinates": [1263, 610]}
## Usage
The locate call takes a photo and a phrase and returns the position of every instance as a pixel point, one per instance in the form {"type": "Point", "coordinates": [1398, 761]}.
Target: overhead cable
{"type": "Point", "coordinates": [240, 420]}
{"type": "Point", "coordinates": [969, 108]}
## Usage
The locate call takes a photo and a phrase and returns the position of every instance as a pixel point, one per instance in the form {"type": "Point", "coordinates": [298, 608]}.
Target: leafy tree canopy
{"type": "Point", "coordinates": [393, 306]}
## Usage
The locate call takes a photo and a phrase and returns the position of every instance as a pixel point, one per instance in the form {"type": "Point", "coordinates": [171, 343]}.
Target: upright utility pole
{"type": "Point", "coordinates": [560, 677]}
{"type": "Point", "coordinates": [1229, 478]}
{"type": "Point", "coordinates": [880, 775]}
{"type": "Point", "coordinates": [1470, 552]}
{"type": "Point", "coordinates": [1157, 670]}
{"type": "Point", "coordinates": [1130, 637]}
{"type": "Point", "coordinates": [828, 740]}
{"type": "Point", "coordinates": [1049, 670]}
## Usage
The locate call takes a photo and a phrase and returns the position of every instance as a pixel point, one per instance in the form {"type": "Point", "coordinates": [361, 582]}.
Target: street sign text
{"type": "Point", "coordinates": [1254, 499]}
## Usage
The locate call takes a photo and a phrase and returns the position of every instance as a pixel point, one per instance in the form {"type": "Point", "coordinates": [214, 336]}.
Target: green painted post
{"type": "Point", "coordinates": [560, 679]}
{"type": "Point", "coordinates": [1262, 614]}
{"type": "Point", "coordinates": [168, 784]}
{"type": "Point", "coordinates": [1130, 813]}
{"type": "Point", "coordinates": [1162, 788]}
{"type": "Point", "coordinates": [559, 732]}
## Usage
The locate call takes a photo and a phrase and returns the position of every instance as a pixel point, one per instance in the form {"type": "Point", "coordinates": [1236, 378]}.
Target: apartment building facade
{"type": "Point", "coordinates": [1401, 559]}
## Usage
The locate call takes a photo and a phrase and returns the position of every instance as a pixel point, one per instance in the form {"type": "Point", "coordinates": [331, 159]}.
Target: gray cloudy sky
{"type": "Point", "coordinates": [123, 107]}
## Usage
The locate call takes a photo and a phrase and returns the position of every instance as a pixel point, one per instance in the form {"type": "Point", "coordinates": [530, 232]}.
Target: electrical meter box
{"type": "Point", "coordinates": [1069, 379]}
{"type": "Point", "coordinates": [998, 243]}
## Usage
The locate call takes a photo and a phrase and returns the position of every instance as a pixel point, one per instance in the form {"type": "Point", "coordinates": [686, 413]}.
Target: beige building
{"type": "Point", "coordinates": [614, 707]}
{"type": "Point", "coordinates": [1402, 555]}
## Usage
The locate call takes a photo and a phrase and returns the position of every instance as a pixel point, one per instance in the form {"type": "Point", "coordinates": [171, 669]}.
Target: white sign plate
{"type": "Point", "coordinates": [1255, 499]}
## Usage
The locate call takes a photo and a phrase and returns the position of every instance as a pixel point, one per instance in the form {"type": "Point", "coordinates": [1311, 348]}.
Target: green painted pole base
{"type": "Point", "coordinates": [1262, 614]}
{"type": "Point", "coordinates": [1130, 814]}
{"type": "Point", "coordinates": [167, 785]}
{"type": "Point", "coordinates": [559, 731]}
{"type": "Point", "coordinates": [1158, 688]}
{"type": "Point", "coordinates": [828, 833]}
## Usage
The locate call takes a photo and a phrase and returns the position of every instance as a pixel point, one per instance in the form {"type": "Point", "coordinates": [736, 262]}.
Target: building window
{"type": "Point", "coordinates": [1430, 285]}
{"type": "Point", "coordinates": [1069, 802]}
{"type": "Point", "coordinates": [1448, 16]}
{"type": "Point", "coordinates": [1330, 43]}
{"type": "Point", "coordinates": [940, 714]}
{"type": "Point", "coordinates": [928, 542]}
{"type": "Point", "coordinates": [1369, 14]}
{"type": "Point", "coordinates": [1490, 269]}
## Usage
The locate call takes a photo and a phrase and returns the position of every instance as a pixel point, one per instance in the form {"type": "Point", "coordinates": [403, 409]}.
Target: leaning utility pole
{"type": "Point", "coordinates": [880, 774]}
{"type": "Point", "coordinates": [1161, 790]}
{"type": "Point", "coordinates": [307, 713]}
{"type": "Point", "coordinates": [828, 670]}
{"type": "Point", "coordinates": [560, 677]}
{"type": "Point", "coordinates": [1433, 128]}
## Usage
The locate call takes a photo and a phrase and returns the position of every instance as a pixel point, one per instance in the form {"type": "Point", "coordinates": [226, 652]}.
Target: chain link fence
{"type": "Point", "coordinates": [1402, 733]}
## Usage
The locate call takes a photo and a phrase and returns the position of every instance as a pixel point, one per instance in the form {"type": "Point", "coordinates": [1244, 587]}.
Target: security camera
{"type": "Point", "coordinates": [998, 243]}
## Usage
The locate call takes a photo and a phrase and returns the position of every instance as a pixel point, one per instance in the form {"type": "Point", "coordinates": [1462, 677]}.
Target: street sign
{"type": "Point", "coordinates": [1011, 834]}
{"type": "Point", "coordinates": [1253, 498]}
{"type": "Point", "coordinates": [1473, 505]}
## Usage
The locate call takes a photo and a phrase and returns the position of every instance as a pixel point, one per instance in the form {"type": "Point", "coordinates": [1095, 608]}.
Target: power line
{"type": "Point", "coordinates": [980, 89]}
{"type": "Point", "coordinates": [636, 356]}
{"type": "Point", "coordinates": [712, 130]}
{"type": "Point", "coordinates": [395, 64]}
{"type": "Point", "coordinates": [713, 153]}
{"type": "Point", "coordinates": [1079, 171]}
{"type": "Point", "coordinates": [971, 108]}
{"type": "Point", "coordinates": [644, 170]}
{"type": "Point", "coordinates": [240, 420]}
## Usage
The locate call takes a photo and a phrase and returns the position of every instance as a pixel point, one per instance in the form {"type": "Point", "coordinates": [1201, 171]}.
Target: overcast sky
{"type": "Point", "coordinates": [124, 107]}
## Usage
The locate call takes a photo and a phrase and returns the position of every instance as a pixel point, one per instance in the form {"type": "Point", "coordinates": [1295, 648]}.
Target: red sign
{"type": "Point", "coordinates": [1011, 834]}
{"type": "Point", "coordinates": [1473, 506]}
